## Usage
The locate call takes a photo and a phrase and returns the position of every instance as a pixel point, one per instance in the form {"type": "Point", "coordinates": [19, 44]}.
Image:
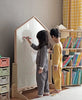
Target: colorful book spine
{"type": "Point", "coordinates": [70, 76]}
{"type": "Point", "coordinates": [75, 43]}
{"type": "Point", "coordinates": [68, 42]}
{"type": "Point", "coordinates": [65, 72]}
{"type": "Point", "coordinates": [79, 59]}
{"type": "Point", "coordinates": [79, 43]}
{"type": "Point", "coordinates": [80, 64]}
{"type": "Point", "coordinates": [75, 58]}
{"type": "Point", "coordinates": [67, 78]}
{"type": "Point", "coordinates": [63, 78]}
{"type": "Point", "coordinates": [79, 77]}
{"type": "Point", "coordinates": [68, 60]}
{"type": "Point", "coordinates": [74, 78]}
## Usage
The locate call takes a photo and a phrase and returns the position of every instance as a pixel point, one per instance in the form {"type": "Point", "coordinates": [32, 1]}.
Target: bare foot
{"type": "Point", "coordinates": [55, 91]}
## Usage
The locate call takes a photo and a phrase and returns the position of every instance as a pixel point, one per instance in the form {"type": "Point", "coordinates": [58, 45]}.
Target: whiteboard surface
{"type": "Point", "coordinates": [25, 55]}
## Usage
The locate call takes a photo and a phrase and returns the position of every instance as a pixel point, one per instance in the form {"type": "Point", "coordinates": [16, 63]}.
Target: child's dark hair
{"type": "Point", "coordinates": [42, 36]}
{"type": "Point", "coordinates": [55, 32]}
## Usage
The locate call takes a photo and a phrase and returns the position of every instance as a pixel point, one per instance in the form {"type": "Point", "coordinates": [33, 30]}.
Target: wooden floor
{"type": "Point", "coordinates": [14, 99]}
{"type": "Point", "coordinates": [31, 94]}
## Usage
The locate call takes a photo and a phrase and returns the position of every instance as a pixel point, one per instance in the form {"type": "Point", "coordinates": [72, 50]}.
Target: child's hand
{"type": "Point", "coordinates": [50, 51]}
{"type": "Point", "coordinates": [28, 39]}
{"type": "Point", "coordinates": [55, 68]}
{"type": "Point", "coordinates": [40, 71]}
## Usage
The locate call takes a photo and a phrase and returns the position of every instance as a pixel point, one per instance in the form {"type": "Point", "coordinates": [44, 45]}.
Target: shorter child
{"type": "Point", "coordinates": [57, 59]}
{"type": "Point", "coordinates": [41, 62]}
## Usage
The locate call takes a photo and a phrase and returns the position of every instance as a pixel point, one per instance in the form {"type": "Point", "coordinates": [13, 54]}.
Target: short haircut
{"type": "Point", "coordinates": [55, 32]}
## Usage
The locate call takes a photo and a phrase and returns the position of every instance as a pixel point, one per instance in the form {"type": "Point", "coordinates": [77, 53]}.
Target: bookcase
{"type": "Point", "coordinates": [4, 78]}
{"type": "Point", "coordinates": [72, 57]}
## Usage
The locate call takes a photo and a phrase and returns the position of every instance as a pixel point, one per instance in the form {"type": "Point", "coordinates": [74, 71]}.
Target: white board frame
{"type": "Point", "coordinates": [15, 48]}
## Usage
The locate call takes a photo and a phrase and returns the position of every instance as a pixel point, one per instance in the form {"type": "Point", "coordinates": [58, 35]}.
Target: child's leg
{"type": "Point", "coordinates": [57, 79]}
{"type": "Point", "coordinates": [40, 83]}
{"type": "Point", "coordinates": [46, 88]}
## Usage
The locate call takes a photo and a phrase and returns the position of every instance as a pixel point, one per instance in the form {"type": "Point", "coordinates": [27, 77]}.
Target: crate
{"type": "Point", "coordinates": [4, 80]}
{"type": "Point", "coordinates": [4, 96]}
{"type": "Point", "coordinates": [4, 71]}
{"type": "Point", "coordinates": [4, 62]}
{"type": "Point", "coordinates": [4, 88]}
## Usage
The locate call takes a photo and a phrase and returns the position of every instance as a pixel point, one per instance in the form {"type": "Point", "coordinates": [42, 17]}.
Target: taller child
{"type": "Point", "coordinates": [41, 62]}
{"type": "Point", "coordinates": [57, 59]}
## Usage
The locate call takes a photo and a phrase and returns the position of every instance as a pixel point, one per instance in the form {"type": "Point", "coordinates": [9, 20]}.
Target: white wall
{"type": "Point", "coordinates": [13, 13]}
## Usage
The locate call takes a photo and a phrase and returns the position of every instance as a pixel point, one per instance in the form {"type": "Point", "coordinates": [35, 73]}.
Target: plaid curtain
{"type": "Point", "coordinates": [72, 13]}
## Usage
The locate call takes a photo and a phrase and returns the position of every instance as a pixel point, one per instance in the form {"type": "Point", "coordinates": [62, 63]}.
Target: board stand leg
{"type": "Point", "coordinates": [15, 93]}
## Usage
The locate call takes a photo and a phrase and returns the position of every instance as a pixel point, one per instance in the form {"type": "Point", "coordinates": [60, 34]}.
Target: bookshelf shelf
{"type": "Point", "coordinates": [72, 64]}
{"type": "Point", "coordinates": [71, 30]}
{"type": "Point", "coordinates": [72, 48]}
{"type": "Point", "coordinates": [70, 85]}
{"type": "Point", "coordinates": [71, 67]}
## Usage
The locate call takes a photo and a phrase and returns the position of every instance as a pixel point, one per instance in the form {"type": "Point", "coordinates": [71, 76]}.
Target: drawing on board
{"type": "Point", "coordinates": [25, 56]}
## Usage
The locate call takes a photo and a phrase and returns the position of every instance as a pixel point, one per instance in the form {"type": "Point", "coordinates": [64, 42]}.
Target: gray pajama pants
{"type": "Point", "coordinates": [42, 82]}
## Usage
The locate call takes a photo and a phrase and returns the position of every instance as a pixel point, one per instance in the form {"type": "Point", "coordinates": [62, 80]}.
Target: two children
{"type": "Point", "coordinates": [42, 61]}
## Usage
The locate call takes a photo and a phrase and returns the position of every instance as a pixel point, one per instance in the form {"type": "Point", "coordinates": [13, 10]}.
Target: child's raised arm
{"type": "Point", "coordinates": [28, 39]}
{"type": "Point", "coordinates": [32, 45]}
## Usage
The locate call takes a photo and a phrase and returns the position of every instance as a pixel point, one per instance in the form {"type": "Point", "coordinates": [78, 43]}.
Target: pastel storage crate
{"type": "Point", "coordinates": [4, 96]}
{"type": "Point", "coordinates": [4, 71]}
{"type": "Point", "coordinates": [4, 88]}
{"type": "Point", "coordinates": [4, 80]}
{"type": "Point", "coordinates": [4, 62]}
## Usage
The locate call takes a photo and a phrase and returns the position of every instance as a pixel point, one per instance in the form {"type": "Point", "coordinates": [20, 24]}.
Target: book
{"type": "Point", "coordinates": [75, 58]}
{"type": "Point", "coordinates": [74, 77]}
{"type": "Point", "coordinates": [79, 77]}
{"type": "Point", "coordinates": [67, 77]}
{"type": "Point", "coordinates": [68, 42]}
{"type": "Point", "coordinates": [75, 43]}
{"type": "Point", "coordinates": [68, 60]}
{"type": "Point", "coordinates": [65, 73]}
{"type": "Point", "coordinates": [78, 43]}
{"type": "Point", "coordinates": [63, 78]}
{"type": "Point", "coordinates": [79, 59]}
{"type": "Point", "coordinates": [65, 43]}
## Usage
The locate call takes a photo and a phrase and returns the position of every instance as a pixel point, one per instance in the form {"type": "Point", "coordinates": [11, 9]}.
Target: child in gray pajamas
{"type": "Point", "coordinates": [41, 62]}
